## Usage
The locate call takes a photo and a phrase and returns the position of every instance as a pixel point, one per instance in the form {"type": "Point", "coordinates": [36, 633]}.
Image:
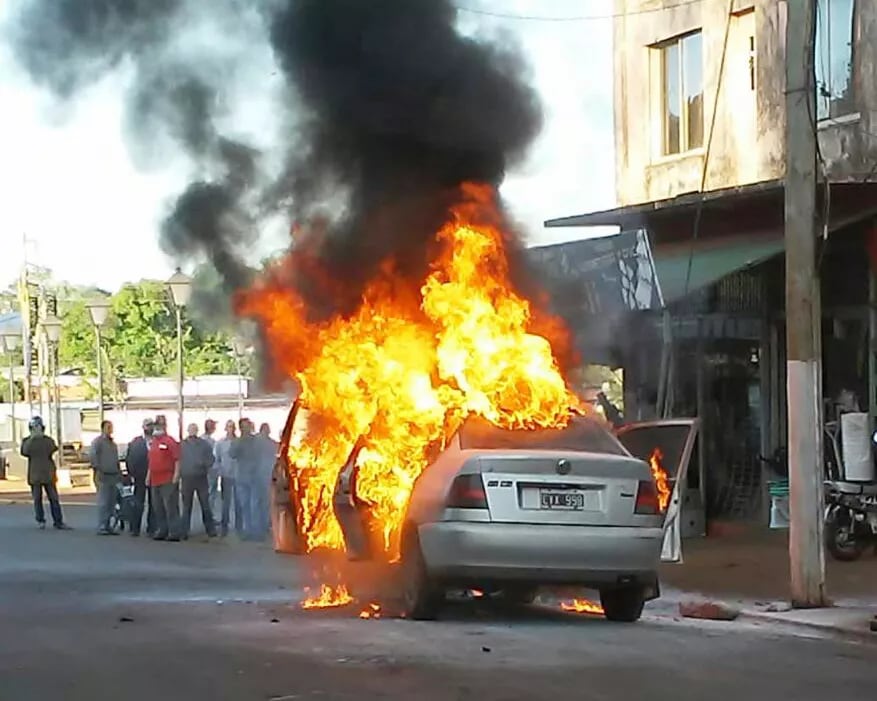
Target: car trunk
{"type": "Point", "coordinates": [562, 488]}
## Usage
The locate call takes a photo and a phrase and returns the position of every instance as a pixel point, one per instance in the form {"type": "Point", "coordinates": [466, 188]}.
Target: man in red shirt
{"type": "Point", "coordinates": [164, 477]}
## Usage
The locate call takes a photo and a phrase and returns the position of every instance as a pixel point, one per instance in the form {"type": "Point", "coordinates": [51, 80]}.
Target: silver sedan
{"type": "Point", "coordinates": [508, 511]}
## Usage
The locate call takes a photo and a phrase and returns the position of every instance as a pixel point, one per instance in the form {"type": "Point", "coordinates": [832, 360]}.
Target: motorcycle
{"type": "Point", "coordinates": [850, 519]}
{"type": "Point", "coordinates": [850, 516]}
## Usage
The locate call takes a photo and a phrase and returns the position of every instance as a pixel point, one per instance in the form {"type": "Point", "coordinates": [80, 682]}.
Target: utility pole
{"type": "Point", "coordinates": [803, 313]}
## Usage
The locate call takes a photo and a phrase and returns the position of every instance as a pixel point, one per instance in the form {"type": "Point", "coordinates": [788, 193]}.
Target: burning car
{"type": "Point", "coordinates": [507, 511]}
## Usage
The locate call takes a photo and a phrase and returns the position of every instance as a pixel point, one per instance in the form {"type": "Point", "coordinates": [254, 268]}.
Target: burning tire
{"type": "Point", "coordinates": [422, 598]}
{"type": "Point", "coordinates": [624, 605]}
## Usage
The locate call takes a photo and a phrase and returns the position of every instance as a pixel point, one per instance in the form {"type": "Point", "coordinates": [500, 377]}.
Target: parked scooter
{"type": "Point", "coordinates": [850, 519]}
{"type": "Point", "coordinates": [850, 507]}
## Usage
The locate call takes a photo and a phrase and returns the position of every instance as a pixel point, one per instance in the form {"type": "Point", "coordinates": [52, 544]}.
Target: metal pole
{"type": "Point", "coordinates": [237, 358]}
{"type": "Point", "coordinates": [43, 361]}
{"type": "Point", "coordinates": [100, 375]}
{"type": "Point", "coordinates": [53, 359]}
{"type": "Point", "coordinates": [803, 314]}
{"type": "Point", "coordinates": [12, 399]}
{"type": "Point", "coordinates": [872, 344]}
{"type": "Point", "coordinates": [180, 372]}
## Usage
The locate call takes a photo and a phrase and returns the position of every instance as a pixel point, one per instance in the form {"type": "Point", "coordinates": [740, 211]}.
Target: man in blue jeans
{"type": "Point", "coordinates": [227, 473]}
{"type": "Point", "coordinates": [40, 449]}
{"type": "Point", "coordinates": [267, 458]}
{"type": "Point", "coordinates": [246, 452]}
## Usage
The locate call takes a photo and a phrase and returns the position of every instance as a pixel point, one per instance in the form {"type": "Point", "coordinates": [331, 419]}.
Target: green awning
{"type": "Point", "coordinates": [710, 262]}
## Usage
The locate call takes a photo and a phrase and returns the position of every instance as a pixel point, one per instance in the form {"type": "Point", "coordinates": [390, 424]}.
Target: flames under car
{"type": "Point", "coordinates": [509, 511]}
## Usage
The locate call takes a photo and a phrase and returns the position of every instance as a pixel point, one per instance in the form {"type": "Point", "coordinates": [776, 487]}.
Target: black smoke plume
{"type": "Point", "coordinates": [400, 109]}
{"type": "Point", "coordinates": [176, 96]}
{"type": "Point", "coordinates": [387, 110]}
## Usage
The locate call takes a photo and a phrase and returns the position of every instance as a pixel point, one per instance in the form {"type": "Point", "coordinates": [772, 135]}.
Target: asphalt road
{"type": "Point", "coordinates": [89, 618]}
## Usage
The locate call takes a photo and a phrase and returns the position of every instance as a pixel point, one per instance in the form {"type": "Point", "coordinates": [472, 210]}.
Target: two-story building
{"type": "Point", "coordinates": [700, 158]}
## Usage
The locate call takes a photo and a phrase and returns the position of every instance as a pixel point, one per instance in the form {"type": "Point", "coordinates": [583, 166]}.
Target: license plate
{"type": "Point", "coordinates": [561, 501]}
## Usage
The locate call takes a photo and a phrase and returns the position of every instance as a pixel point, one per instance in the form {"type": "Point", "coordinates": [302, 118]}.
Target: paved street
{"type": "Point", "coordinates": [83, 617]}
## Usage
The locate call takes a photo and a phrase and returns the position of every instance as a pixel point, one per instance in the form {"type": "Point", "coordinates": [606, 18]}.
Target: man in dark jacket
{"type": "Point", "coordinates": [196, 459]}
{"type": "Point", "coordinates": [40, 449]}
{"type": "Point", "coordinates": [137, 462]}
{"type": "Point", "coordinates": [104, 456]}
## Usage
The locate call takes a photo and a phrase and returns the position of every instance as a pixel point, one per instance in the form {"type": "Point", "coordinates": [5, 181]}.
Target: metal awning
{"type": "Point", "coordinates": [633, 216]}
{"type": "Point", "coordinates": [710, 261]}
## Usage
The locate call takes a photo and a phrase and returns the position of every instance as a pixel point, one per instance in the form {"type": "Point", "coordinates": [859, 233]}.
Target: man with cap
{"type": "Point", "coordinates": [164, 478]}
{"type": "Point", "coordinates": [137, 462]}
{"type": "Point", "coordinates": [40, 449]}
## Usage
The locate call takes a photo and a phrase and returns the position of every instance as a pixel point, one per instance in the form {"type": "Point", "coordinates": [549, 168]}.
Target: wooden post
{"type": "Point", "coordinates": [803, 314]}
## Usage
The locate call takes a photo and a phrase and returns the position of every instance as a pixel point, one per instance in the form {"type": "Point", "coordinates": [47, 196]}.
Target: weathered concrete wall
{"type": "Point", "coordinates": [747, 142]}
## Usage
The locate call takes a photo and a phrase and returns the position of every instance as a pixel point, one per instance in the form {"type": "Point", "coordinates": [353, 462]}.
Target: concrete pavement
{"type": "Point", "coordinates": [84, 617]}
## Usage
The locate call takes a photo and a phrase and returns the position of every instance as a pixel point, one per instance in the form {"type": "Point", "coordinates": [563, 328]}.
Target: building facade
{"type": "Point", "coordinates": [699, 96]}
{"type": "Point", "coordinates": [700, 162]}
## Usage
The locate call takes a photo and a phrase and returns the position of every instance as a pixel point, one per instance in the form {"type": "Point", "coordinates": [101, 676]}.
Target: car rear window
{"type": "Point", "coordinates": [582, 434]}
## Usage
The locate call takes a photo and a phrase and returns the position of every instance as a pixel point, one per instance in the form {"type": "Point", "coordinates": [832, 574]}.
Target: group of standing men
{"type": "Point", "coordinates": [229, 476]}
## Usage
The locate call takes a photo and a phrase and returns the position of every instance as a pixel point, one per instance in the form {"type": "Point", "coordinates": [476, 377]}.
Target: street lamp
{"type": "Point", "coordinates": [240, 348]}
{"type": "Point", "coordinates": [11, 341]}
{"type": "Point", "coordinates": [52, 329]}
{"type": "Point", "coordinates": [99, 309]}
{"type": "Point", "coordinates": [180, 286]}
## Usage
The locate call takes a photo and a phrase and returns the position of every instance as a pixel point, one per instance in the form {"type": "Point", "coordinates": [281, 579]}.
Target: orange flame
{"type": "Point", "coordinates": [399, 375]}
{"type": "Point", "coordinates": [662, 479]}
{"type": "Point", "coordinates": [373, 610]}
{"type": "Point", "coordinates": [581, 606]}
{"type": "Point", "coordinates": [329, 597]}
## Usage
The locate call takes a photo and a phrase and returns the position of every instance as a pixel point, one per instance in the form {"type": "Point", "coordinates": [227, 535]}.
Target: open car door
{"type": "Point", "coordinates": [283, 517]}
{"type": "Point", "coordinates": [671, 441]}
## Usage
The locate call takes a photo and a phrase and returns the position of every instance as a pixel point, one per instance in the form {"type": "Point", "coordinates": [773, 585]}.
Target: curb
{"type": "Point", "coordinates": [670, 607]}
{"type": "Point", "coordinates": [865, 634]}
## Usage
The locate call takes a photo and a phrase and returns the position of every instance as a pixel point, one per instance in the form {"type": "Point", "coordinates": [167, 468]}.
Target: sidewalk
{"type": "Point", "coordinates": [750, 574]}
{"type": "Point", "coordinates": [16, 487]}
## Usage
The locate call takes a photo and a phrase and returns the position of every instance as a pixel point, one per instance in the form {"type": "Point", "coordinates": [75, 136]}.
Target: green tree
{"type": "Point", "coordinates": [141, 330]}
{"type": "Point", "coordinates": [139, 337]}
{"type": "Point", "coordinates": [76, 348]}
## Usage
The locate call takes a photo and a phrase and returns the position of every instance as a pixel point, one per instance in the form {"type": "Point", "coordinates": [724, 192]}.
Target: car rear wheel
{"type": "Point", "coordinates": [624, 604]}
{"type": "Point", "coordinates": [421, 597]}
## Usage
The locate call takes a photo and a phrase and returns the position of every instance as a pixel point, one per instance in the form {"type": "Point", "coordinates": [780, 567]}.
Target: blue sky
{"type": "Point", "coordinates": [91, 215]}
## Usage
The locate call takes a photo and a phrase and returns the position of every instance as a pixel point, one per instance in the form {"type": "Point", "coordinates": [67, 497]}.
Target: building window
{"type": "Point", "coordinates": [834, 58]}
{"type": "Point", "coordinates": [682, 93]}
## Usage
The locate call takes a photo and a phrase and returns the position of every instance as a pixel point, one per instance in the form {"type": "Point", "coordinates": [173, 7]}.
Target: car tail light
{"type": "Point", "coordinates": [647, 499]}
{"type": "Point", "coordinates": [467, 492]}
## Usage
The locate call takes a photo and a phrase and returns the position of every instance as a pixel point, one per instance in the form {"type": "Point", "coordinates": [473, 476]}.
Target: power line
{"type": "Point", "coordinates": [575, 18]}
{"type": "Point", "coordinates": [709, 147]}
